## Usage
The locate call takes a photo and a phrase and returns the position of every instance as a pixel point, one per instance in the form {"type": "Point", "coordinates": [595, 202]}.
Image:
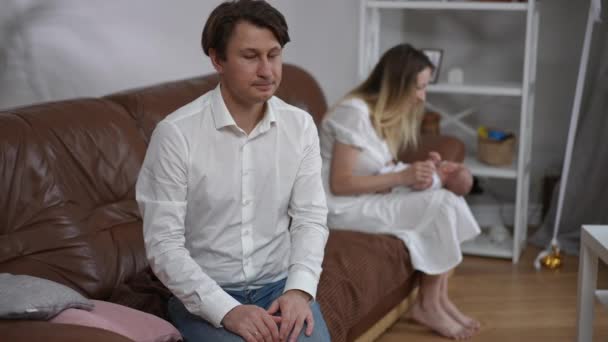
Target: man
{"type": "Point", "coordinates": [231, 194]}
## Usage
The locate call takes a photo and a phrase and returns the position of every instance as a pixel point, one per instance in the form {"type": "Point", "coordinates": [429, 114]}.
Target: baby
{"type": "Point", "coordinates": [455, 177]}
{"type": "Point", "coordinates": [451, 175]}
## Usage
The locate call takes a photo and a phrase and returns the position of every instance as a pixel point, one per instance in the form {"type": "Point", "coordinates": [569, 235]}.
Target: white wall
{"type": "Point", "coordinates": [325, 41]}
{"type": "Point", "coordinates": [60, 49]}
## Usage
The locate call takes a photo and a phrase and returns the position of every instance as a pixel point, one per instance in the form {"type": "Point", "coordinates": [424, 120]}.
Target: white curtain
{"type": "Point", "coordinates": [58, 49]}
{"type": "Point", "coordinates": [586, 196]}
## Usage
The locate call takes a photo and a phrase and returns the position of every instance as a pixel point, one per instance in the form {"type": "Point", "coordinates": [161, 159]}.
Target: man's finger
{"type": "Point", "coordinates": [274, 307]}
{"type": "Point", "coordinates": [261, 331]}
{"type": "Point", "coordinates": [286, 326]}
{"type": "Point", "coordinates": [272, 326]}
{"type": "Point", "coordinates": [310, 324]}
{"type": "Point", "coordinates": [248, 337]}
{"type": "Point", "coordinates": [297, 328]}
{"type": "Point", "coordinates": [252, 335]}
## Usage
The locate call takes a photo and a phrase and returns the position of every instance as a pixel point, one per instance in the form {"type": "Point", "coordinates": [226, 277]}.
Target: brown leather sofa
{"type": "Point", "coordinates": [68, 211]}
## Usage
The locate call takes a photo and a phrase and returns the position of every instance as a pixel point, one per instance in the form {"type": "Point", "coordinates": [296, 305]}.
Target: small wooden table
{"type": "Point", "coordinates": [594, 245]}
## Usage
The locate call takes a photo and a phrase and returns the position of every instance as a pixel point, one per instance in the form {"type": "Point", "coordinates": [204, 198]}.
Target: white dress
{"type": "Point", "coordinates": [431, 223]}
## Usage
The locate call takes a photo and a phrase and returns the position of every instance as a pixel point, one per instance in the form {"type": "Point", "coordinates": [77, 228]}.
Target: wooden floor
{"type": "Point", "coordinates": [514, 302]}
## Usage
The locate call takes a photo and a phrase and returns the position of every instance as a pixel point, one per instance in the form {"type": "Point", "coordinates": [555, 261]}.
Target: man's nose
{"type": "Point", "coordinates": [264, 68]}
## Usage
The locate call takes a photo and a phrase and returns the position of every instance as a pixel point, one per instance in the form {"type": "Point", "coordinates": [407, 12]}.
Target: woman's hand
{"type": "Point", "coordinates": [435, 157]}
{"type": "Point", "coordinates": [419, 175]}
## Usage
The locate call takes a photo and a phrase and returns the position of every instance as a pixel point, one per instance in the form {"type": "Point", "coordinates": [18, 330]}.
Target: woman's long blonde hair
{"type": "Point", "coordinates": [390, 93]}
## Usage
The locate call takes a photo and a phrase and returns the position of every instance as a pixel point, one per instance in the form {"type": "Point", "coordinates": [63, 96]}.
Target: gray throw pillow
{"type": "Point", "coordinates": [27, 297]}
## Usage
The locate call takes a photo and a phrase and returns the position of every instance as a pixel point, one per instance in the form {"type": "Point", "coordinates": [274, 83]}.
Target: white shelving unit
{"type": "Point", "coordinates": [519, 171]}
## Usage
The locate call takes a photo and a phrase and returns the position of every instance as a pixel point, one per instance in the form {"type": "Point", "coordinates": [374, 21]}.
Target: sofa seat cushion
{"type": "Point", "coordinates": [144, 292]}
{"type": "Point", "coordinates": [50, 332]}
{"type": "Point", "coordinates": [136, 325]}
{"type": "Point", "coordinates": [364, 277]}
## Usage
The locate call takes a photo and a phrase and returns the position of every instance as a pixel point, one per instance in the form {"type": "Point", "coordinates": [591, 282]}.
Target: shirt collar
{"type": "Point", "coordinates": [222, 117]}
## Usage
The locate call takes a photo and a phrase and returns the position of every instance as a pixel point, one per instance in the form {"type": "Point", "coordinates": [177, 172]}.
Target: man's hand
{"type": "Point", "coordinates": [252, 323]}
{"type": "Point", "coordinates": [295, 310]}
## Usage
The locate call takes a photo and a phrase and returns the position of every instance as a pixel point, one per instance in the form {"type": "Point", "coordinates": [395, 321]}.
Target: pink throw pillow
{"type": "Point", "coordinates": [136, 325]}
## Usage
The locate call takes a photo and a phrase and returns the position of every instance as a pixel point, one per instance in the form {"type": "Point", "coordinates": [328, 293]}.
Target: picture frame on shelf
{"type": "Point", "coordinates": [435, 56]}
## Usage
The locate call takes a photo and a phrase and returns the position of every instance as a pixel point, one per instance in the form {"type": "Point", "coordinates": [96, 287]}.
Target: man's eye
{"type": "Point", "coordinates": [249, 56]}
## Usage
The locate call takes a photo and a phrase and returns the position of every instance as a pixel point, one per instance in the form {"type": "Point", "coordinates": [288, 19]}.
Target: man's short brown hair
{"type": "Point", "coordinates": [223, 19]}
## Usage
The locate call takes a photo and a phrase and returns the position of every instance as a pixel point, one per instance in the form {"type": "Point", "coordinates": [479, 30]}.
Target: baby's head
{"type": "Point", "coordinates": [459, 180]}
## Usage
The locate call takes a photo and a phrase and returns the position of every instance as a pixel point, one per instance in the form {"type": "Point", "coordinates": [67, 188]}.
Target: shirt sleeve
{"type": "Point", "coordinates": [349, 125]}
{"type": "Point", "coordinates": [308, 211]}
{"type": "Point", "coordinates": [161, 194]}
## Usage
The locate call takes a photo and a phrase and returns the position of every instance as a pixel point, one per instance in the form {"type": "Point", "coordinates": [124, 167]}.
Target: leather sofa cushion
{"type": "Point", "coordinates": [363, 278]}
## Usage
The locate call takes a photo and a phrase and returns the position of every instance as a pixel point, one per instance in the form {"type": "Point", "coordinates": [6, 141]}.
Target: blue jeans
{"type": "Point", "coordinates": [195, 329]}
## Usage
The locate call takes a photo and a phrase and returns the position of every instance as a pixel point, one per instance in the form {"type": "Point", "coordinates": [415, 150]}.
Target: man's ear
{"type": "Point", "coordinates": [216, 61]}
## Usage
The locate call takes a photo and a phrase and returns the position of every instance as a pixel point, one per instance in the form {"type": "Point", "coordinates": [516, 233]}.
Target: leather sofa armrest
{"type": "Point", "coordinates": [55, 332]}
{"type": "Point", "coordinates": [450, 148]}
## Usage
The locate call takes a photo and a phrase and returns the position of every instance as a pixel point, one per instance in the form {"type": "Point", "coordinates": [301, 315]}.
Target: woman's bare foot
{"type": "Point", "coordinates": [434, 317]}
{"type": "Point", "coordinates": [458, 316]}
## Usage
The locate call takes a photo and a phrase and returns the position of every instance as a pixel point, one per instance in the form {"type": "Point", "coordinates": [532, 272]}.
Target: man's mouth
{"type": "Point", "coordinates": [265, 85]}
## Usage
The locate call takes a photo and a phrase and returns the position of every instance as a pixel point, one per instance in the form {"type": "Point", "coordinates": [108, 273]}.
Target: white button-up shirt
{"type": "Point", "coordinates": [223, 209]}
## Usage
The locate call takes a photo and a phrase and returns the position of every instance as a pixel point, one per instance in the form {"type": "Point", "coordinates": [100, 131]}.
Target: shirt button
{"type": "Point", "coordinates": [246, 232]}
{"type": "Point", "coordinates": [246, 202]}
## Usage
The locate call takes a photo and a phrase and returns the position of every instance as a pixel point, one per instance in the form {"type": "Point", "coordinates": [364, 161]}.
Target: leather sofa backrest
{"type": "Point", "coordinates": [149, 105]}
{"type": "Point", "coordinates": [67, 177]}
{"type": "Point", "coordinates": [67, 207]}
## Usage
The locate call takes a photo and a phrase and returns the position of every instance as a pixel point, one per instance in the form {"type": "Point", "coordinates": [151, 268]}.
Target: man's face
{"type": "Point", "coordinates": [252, 70]}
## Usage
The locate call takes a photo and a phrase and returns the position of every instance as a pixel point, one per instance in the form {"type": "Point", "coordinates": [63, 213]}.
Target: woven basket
{"type": "Point", "coordinates": [497, 153]}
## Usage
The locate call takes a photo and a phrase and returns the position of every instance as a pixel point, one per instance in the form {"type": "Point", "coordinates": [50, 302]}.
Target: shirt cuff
{"type": "Point", "coordinates": [216, 305]}
{"type": "Point", "coordinates": [303, 280]}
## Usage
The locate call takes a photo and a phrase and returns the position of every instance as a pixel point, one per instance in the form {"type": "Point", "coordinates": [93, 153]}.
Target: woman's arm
{"type": "Point", "coordinates": [342, 182]}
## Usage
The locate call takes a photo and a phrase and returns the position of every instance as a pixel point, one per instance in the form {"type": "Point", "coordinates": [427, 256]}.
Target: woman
{"type": "Point", "coordinates": [362, 135]}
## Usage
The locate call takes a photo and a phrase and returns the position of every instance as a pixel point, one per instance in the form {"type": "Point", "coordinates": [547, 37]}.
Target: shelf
{"type": "Point", "coordinates": [443, 5]}
{"type": "Point", "coordinates": [497, 90]}
{"type": "Point", "coordinates": [602, 297]}
{"type": "Point", "coordinates": [484, 170]}
{"type": "Point", "coordinates": [513, 88]}
{"type": "Point", "coordinates": [483, 245]}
